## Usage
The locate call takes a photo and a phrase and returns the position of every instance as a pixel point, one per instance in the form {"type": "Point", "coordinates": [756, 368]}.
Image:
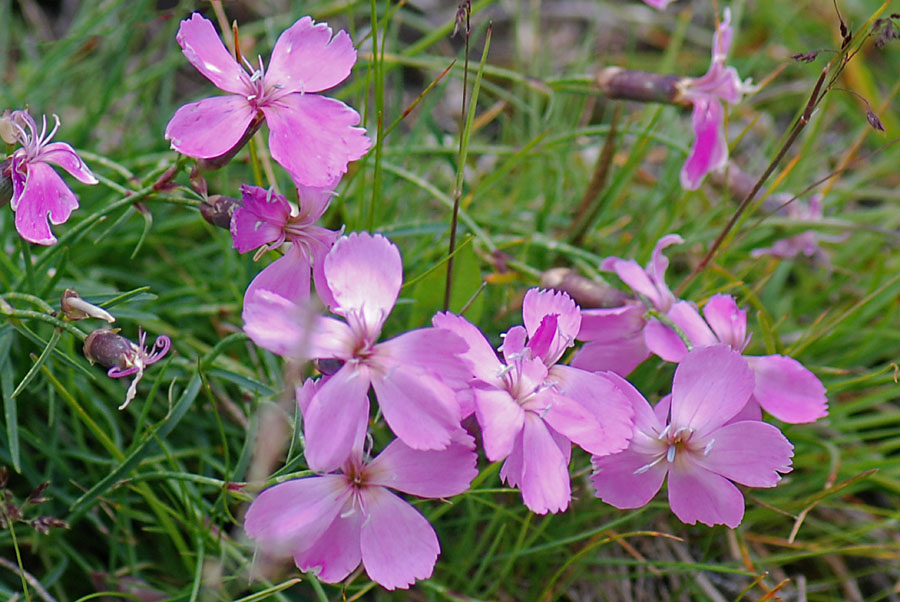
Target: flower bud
{"type": "Point", "coordinates": [217, 210]}
{"type": "Point", "coordinates": [616, 82]}
{"type": "Point", "coordinates": [586, 292]}
{"type": "Point", "coordinates": [76, 308]}
{"type": "Point", "coordinates": [8, 131]}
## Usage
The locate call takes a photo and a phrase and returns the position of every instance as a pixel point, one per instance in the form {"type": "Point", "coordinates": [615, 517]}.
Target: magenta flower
{"type": "Point", "coordinates": [805, 243]}
{"type": "Point", "coordinates": [331, 523]}
{"type": "Point", "coordinates": [709, 151]}
{"type": "Point", "coordinates": [659, 4]}
{"type": "Point", "coordinates": [784, 387]}
{"type": "Point", "coordinates": [700, 446]}
{"type": "Point", "coordinates": [410, 373]}
{"type": "Point", "coordinates": [123, 357]}
{"type": "Point", "coordinates": [38, 191]}
{"type": "Point", "coordinates": [532, 410]}
{"type": "Point", "coordinates": [310, 135]}
{"type": "Point", "coordinates": [615, 336]}
{"type": "Point", "coordinates": [265, 220]}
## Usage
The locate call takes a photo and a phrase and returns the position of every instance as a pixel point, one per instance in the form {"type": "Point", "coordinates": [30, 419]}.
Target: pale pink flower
{"type": "Point", "coordinates": [805, 243]}
{"type": "Point", "coordinates": [698, 444]}
{"type": "Point", "coordinates": [362, 276]}
{"type": "Point", "coordinates": [38, 191]}
{"type": "Point", "coordinates": [531, 410]}
{"type": "Point", "coordinates": [659, 4]}
{"type": "Point", "coordinates": [784, 387]}
{"type": "Point", "coordinates": [709, 151]}
{"type": "Point", "coordinates": [615, 336]}
{"type": "Point", "coordinates": [310, 135]}
{"type": "Point", "coordinates": [330, 523]}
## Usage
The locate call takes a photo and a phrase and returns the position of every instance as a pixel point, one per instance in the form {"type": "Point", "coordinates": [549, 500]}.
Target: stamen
{"type": "Point", "coordinates": [647, 467]}
{"type": "Point", "coordinates": [670, 454]}
{"type": "Point", "coordinates": [708, 447]}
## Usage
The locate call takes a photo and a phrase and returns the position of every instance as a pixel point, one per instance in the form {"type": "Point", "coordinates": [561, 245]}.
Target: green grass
{"type": "Point", "coordinates": [146, 492]}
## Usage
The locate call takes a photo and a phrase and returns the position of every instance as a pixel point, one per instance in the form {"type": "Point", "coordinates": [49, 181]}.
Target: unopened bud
{"type": "Point", "coordinates": [218, 209]}
{"type": "Point", "coordinates": [166, 180]}
{"type": "Point", "coordinates": [76, 308]}
{"type": "Point", "coordinates": [214, 163]}
{"type": "Point", "coordinates": [616, 82]}
{"type": "Point", "coordinates": [586, 292]}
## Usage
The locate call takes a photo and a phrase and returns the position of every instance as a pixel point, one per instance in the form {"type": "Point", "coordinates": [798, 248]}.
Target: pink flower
{"type": "Point", "coordinates": [615, 336]}
{"type": "Point", "coordinates": [720, 83]}
{"type": "Point", "coordinates": [659, 4]}
{"type": "Point", "coordinates": [331, 523]}
{"type": "Point", "coordinates": [805, 243]}
{"type": "Point", "coordinates": [784, 387]}
{"type": "Point", "coordinates": [38, 191]}
{"type": "Point", "coordinates": [700, 447]}
{"type": "Point", "coordinates": [265, 220]}
{"type": "Point", "coordinates": [532, 410]}
{"type": "Point", "coordinates": [361, 280]}
{"type": "Point", "coordinates": [311, 136]}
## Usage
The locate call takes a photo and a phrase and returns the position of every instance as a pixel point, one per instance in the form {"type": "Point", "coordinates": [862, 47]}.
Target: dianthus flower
{"type": "Point", "coordinates": [783, 386]}
{"type": "Point", "coordinates": [805, 243]}
{"type": "Point", "coordinates": [530, 409]}
{"type": "Point", "coordinates": [693, 437]}
{"type": "Point", "coordinates": [709, 151]}
{"type": "Point", "coordinates": [330, 523]}
{"type": "Point", "coordinates": [362, 275]}
{"type": "Point", "coordinates": [615, 336]}
{"type": "Point", "coordinates": [38, 191]}
{"type": "Point", "coordinates": [124, 357]}
{"type": "Point", "coordinates": [310, 135]}
{"type": "Point", "coordinates": [265, 220]}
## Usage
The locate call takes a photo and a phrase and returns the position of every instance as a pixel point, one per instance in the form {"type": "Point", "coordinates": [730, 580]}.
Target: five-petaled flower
{"type": "Point", "coordinates": [38, 191]}
{"type": "Point", "coordinates": [310, 135]}
{"type": "Point", "coordinates": [696, 437]}
{"type": "Point", "coordinates": [330, 523]}
{"type": "Point", "coordinates": [530, 409]}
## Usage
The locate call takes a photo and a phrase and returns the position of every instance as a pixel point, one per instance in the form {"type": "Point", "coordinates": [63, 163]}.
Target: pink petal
{"type": "Point", "coordinates": [398, 544]}
{"type": "Point", "coordinates": [307, 59]}
{"type": "Point", "coordinates": [710, 149]}
{"type": "Point", "coordinates": [44, 196]}
{"type": "Point", "coordinates": [364, 274]}
{"type": "Point", "coordinates": [313, 137]}
{"type": "Point", "coordinates": [711, 385]}
{"type": "Point", "coordinates": [659, 262]}
{"type": "Point", "coordinates": [431, 350]}
{"type": "Point", "coordinates": [314, 200]}
{"type": "Point", "coordinates": [273, 323]}
{"type": "Point", "coordinates": [65, 156]}
{"type": "Point", "coordinates": [306, 392]}
{"type": "Point", "coordinates": [287, 277]}
{"type": "Point", "coordinates": [260, 219]}
{"type": "Point", "coordinates": [727, 320]}
{"type": "Point", "coordinates": [484, 364]}
{"type": "Point", "coordinates": [621, 358]}
{"type": "Point", "coordinates": [211, 127]}
{"type": "Point", "coordinates": [537, 304]}
{"type": "Point", "coordinates": [722, 40]}
{"type": "Point", "coordinates": [664, 342]}
{"type": "Point", "coordinates": [688, 319]}
{"type": "Point", "coordinates": [435, 474]}
{"type": "Point", "coordinates": [750, 453]}
{"type": "Point", "coordinates": [637, 279]}
{"type": "Point", "coordinates": [606, 426]}
{"type": "Point", "coordinates": [612, 324]}
{"type": "Point", "coordinates": [545, 472]}
{"type": "Point", "coordinates": [293, 515]}
{"type": "Point", "coordinates": [204, 50]}
{"type": "Point", "coordinates": [336, 553]}
{"type": "Point", "coordinates": [501, 420]}
{"type": "Point", "coordinates": [332, 339]}
{"type": "Point", "coordinates": [419, 409]}
{"type": "Point", "coordinates": [751, 411]}
{"type": "Point", "coordinates": [513, 344]}
{"type": "Point", "coordinates": [787, 390]}
{"type": "Point", "coordinates": [336, 418]}
{"type": "Point", "coordinates": [695, 494]}
{"type": "Point", "coordinates": [624, 480]}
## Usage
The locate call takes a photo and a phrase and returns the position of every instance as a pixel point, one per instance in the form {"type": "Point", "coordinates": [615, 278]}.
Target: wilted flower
{"type": "Point", "coordinates": [697, 442]}
{"type": "Point", "coordinates": [709, 151]}
{"type": "Point", "coordinates": [330, 523]}
{"type": "Point", "coordinates": [123, 357]}
{"type": "Point", "coordinates": [310, 135]}
{"type": "Point", "coordinates": [38, 191]}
